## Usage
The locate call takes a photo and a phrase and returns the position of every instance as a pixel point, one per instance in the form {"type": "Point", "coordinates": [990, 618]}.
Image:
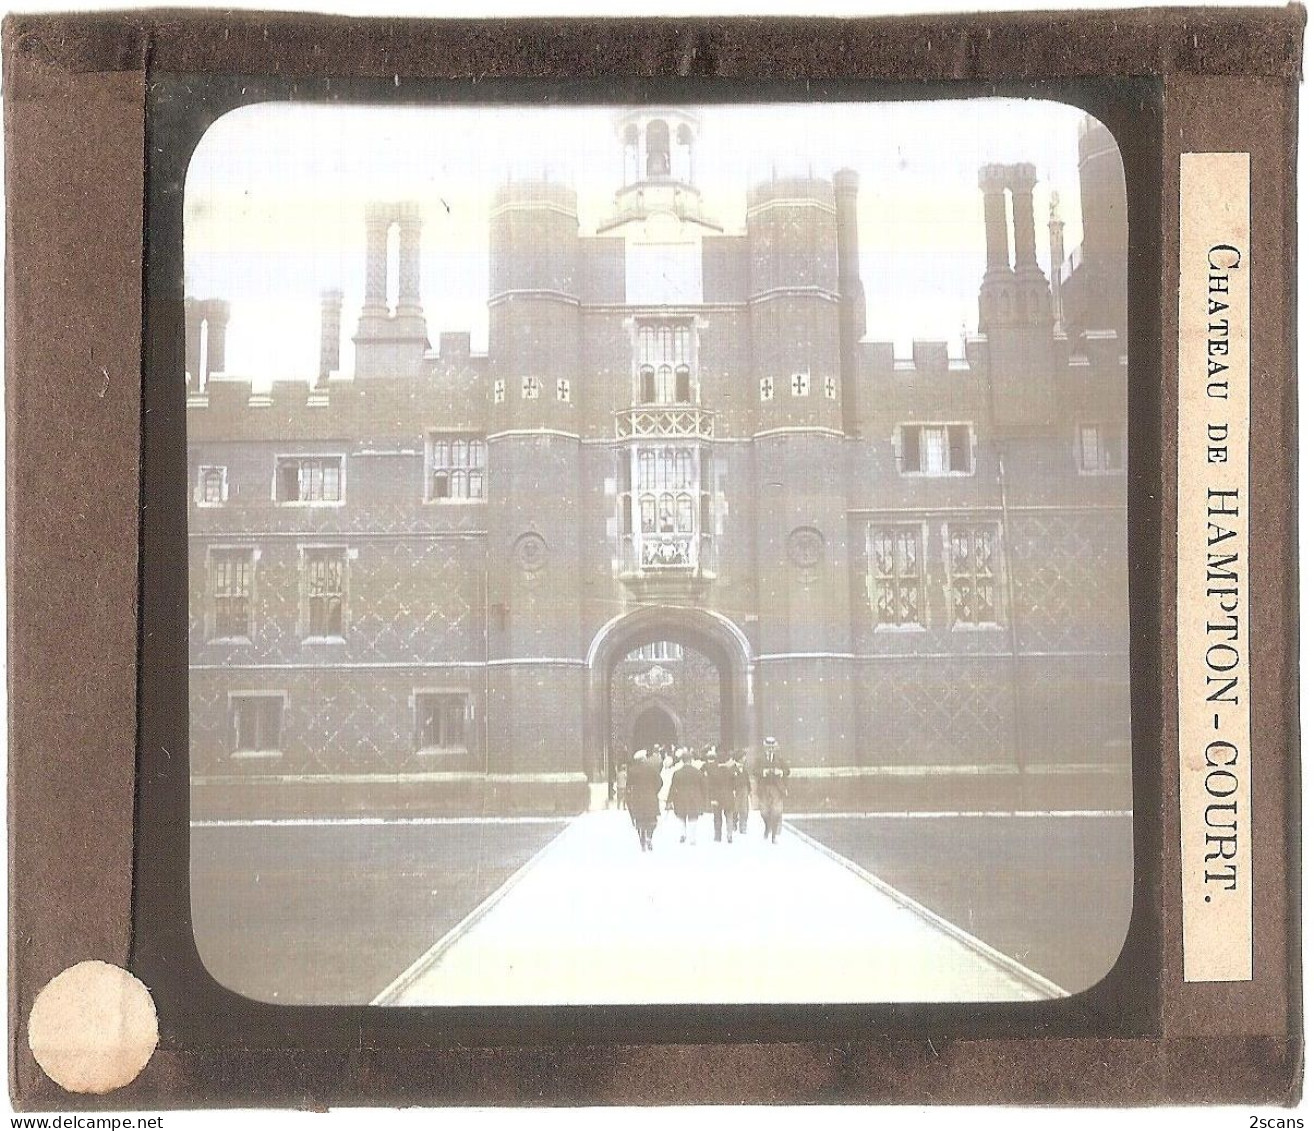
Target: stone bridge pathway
{"type": "Point", "coordinates": [591, 920]}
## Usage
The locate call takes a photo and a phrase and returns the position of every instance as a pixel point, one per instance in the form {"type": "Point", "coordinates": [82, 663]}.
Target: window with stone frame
{"type": "Point", "coordinates": [456, 467]}
{"type": "Point", "coordinates": [665, 505]}
{"type": "Point", "coordinates": [232, 576]}
{"type": "Point", "coordinates": [325, 602]}
{"type": "Point", "coordinates": [256, 724]}
{"type": "Point", "coordinates": [212, 486]}
{"type": "Point", "coordinates": [974, 573]}
{"type": "Point", "coordinates": [1100, 448]}
{"type": "Point", "coordinates": [442, 720]}
{"type": "Point", "coordinates": [314, 480]}
{"type": "Point", "coordinates": [664, 359]}
{"type": "Point", "coordinates": [896, 575]}
{"type": "Point", "coordinates": [935, 449]}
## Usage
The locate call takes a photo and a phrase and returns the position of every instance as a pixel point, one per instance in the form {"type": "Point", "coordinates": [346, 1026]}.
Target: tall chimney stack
{"type": "Point", "coordinates": [330, 333]}
{"type": "Point", "coordinates": [215, 311]}
{"type": "Point", "coordinates": [192, 315]}
{"type": "Point", "coordinates": [407, 218]}
{"type": "Point", "coordinates": [1022, 182]}
{"type": "Point", "coordinates": [993, 180]}
{"type": "Point", "coordinates": [1057, 253]}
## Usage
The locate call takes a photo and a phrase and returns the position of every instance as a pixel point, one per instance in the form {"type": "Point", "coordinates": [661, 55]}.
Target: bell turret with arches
{"type": "Point", "coordinates": [658, 152]}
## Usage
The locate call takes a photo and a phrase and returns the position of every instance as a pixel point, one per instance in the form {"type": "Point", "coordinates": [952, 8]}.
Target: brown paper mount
{"type": "Point", "coordinates": [103, 110]}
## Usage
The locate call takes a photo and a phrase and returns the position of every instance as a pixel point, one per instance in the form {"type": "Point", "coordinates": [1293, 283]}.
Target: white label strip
{"type": "Point", "coordinates": [1213, 638]}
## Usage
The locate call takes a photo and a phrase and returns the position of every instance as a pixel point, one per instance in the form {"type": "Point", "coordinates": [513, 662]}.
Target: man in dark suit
{"type": "Point", "coordinates": [719, 772]}
{"type": "Point", "coordinates": [772, 773]}
{"type": "Point", "coordinates": [688, 796]}
{"type": "Point", "coordinates": [641, 795]}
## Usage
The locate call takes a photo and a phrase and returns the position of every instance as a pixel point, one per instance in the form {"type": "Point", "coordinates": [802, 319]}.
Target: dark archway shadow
{"type": "Point", "coordinates": [715, 636]}
{"type": "Point", "coordinates": [654, 724]}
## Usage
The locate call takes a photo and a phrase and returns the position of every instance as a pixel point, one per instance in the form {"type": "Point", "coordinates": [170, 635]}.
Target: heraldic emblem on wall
{"type": "Point", "coordinates": [656, 678]}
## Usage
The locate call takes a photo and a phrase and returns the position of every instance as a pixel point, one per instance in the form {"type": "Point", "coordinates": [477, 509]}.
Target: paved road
{"type": "Point", "coordinates": [328, 914]}
{"type": "Point", "coordinates": [593, 921]}
{"type": "Point", "coordinates": [1054, 892]}
{"type": "Point", "coordinates": [335, 913]}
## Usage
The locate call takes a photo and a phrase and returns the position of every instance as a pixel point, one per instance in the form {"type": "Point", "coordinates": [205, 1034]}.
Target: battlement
{"type": "Point", "coordinates": [450, 393]}
{"type": "Point", "coordinates": [1095, 353]}
{"type": "Point", "coordinates": [929, 360]}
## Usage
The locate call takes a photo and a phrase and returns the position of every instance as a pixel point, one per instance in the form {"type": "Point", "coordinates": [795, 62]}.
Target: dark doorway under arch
{"type": "Point", "coordinates": [654, 726]}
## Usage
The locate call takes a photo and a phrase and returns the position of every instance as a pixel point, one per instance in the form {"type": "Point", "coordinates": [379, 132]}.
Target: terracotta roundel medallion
{"type": "Point", "coordinates": [530, 551]}
{"type": "Point", "coordinates": [806, 547]}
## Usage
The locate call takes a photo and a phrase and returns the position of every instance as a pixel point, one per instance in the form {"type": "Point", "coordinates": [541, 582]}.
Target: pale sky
{"type": "Point", "coordinates": [275, 197]}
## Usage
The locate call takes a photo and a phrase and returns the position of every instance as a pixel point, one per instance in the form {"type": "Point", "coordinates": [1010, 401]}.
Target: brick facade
{"type": "Point", "coordinates": [911, 571]}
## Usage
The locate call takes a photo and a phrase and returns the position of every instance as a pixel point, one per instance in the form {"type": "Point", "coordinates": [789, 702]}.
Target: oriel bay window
{"type": "Point", "coordinates": [665, 361]}
{"type": "Point", "coordinates": [665, 506]}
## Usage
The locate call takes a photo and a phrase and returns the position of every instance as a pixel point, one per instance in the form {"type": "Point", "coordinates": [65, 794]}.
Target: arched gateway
{"type": "Point", "coordinates": [715, 636]}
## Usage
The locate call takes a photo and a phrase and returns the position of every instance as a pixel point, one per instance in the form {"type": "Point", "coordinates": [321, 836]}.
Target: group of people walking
{"type": "Point", "coordinates": [675, 779]}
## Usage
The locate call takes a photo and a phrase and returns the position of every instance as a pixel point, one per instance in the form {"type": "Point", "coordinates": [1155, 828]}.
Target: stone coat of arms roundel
{"type": "Point", "coordinates": [807, 546]}
{"type": "Point", "coordinates": [530, 551]}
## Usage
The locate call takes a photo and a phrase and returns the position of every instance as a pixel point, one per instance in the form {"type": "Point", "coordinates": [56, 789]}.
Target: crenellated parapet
{"type": "Point", "coordinates": [1088, 380]}
{"type": "Point", "coordinates": [451, 392]}
{"type": "Point", "coordinates": [892, 389]}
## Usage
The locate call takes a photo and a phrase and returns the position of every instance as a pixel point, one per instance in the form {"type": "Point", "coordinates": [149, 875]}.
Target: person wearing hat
{"type": "Point", "coordinates": [641, 794]}
{"type": "Point", "coordinates": [772, 773]}
{"type": "Point", "coordinates": [688, 796]}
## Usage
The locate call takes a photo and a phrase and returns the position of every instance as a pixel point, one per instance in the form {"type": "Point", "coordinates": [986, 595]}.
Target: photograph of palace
{"type": "Point", "coordinates": [668, 493]}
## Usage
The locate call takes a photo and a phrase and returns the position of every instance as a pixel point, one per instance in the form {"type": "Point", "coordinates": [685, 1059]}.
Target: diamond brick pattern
{"type": "Point", "coordinates": [1069, 581]}
{"type": "Point", "coordinates": [945, 713]}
